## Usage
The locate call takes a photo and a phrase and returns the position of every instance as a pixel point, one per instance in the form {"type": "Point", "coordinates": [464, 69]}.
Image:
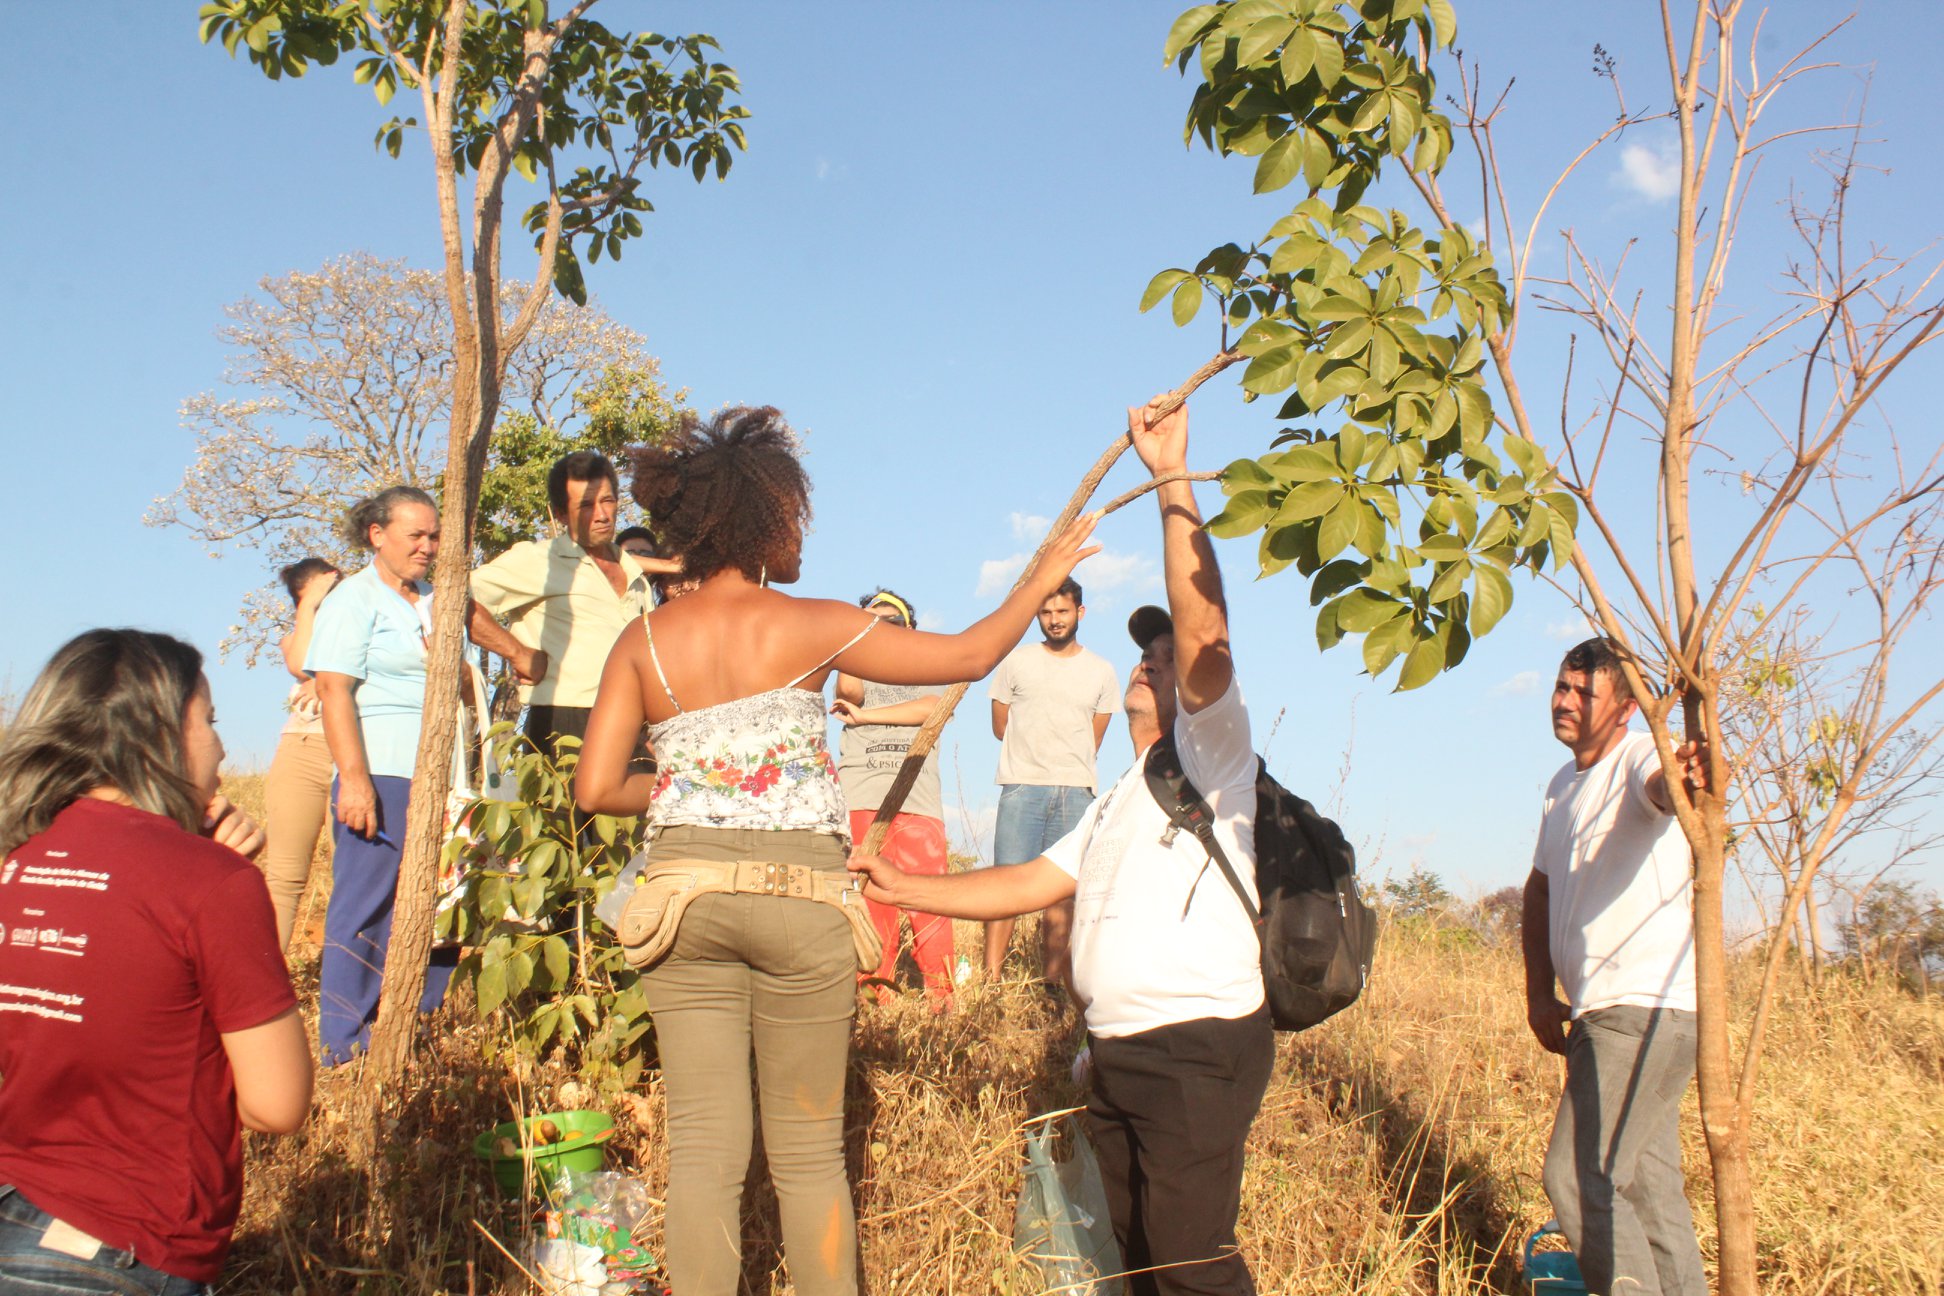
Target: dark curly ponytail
{"type": "Point", "coordinates": [726, 493]}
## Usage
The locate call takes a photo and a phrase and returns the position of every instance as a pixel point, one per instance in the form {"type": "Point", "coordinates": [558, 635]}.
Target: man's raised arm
{"type": "Point", "coordinates": [1204, 667]}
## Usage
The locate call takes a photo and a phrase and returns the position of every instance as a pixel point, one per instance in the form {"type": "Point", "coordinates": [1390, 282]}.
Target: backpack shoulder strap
{"type": "Point", "coordinates": [1185, 808]}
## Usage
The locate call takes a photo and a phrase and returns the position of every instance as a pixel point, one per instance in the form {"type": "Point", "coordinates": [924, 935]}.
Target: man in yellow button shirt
{"type": "Point", "coordinates": [564, 600]}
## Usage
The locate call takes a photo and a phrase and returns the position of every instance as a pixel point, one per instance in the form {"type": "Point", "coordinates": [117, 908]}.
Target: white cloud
{"type": "Point", "coordinates": [1105, 572]}
{"type": "Point", "coordinates": [1571, 630]}
{"type": "Point", "coordinates": [931, 621]}
{"type": "Point", "coordinates": [1654, 172]}
{"type": "Point", "coordinates": [823, 168]}
{"type": "Point", "coordinates": [1524, 684]}
{"type": "Point", "coordinates": [1108, 570]}
{"type": "Point", "coordinates": [1029, 526]}
{"type": "Point", "coordinates": [996, 575]}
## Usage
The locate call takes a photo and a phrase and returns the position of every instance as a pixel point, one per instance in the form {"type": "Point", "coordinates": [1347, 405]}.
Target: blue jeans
{"type": "Point", "coordinates": [1613, 1169]}
{"type": "Point", "coordinates": [1032, 817]}
{"type": "Point", "coordinates": [29, 1269]}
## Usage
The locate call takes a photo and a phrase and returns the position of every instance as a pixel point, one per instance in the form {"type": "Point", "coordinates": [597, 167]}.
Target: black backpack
{"type": "Point", "coordinates": [1317, 934]}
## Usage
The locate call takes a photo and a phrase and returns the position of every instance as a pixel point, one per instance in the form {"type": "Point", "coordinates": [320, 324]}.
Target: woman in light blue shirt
{"type": "Point", "coordinates": [368, 654]}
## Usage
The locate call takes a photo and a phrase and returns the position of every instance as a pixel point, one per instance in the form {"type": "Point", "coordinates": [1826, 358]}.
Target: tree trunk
{"type": "Point", "coordinates": [475, 402]}
{"type": "Point", "coordinates": [1722, 1119]}
{"type": "Point", "coordinates": [415, 902]}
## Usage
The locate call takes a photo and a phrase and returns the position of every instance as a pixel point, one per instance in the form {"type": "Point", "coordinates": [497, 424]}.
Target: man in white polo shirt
{"type": "Point", "coordinates": [1165, 959]}
{"type": "Point", "coordinates": [1609, 917]}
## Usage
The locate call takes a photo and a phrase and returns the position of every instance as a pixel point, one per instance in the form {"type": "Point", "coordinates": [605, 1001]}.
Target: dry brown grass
{"type": "Point", "coordinates": [1398, 1150]}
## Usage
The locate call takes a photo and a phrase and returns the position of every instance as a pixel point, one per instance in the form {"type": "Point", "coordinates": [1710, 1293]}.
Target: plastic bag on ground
{"type": "Point", "coordinates": [599, 1208]}
{"type": "Point", "coordinates": [1062, 1226]}
{"type": "Point", "coordinates": [567, 1268]}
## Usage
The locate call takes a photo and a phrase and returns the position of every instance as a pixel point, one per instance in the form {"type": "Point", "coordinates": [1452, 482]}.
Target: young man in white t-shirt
{"type": "Point", "coordinates": [1051, 704]}
{"type": "Point", "coordinates": [1609, 917]}
{"type": "Point", "coordinates": [1165, 960]}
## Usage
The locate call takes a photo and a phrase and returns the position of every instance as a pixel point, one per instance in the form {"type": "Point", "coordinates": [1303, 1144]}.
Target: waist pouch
{"type": "Point", "coordinates": [653, 914]}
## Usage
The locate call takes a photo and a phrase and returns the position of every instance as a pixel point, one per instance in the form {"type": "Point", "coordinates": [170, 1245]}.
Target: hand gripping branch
{"type": "Point", "coordinates": [926, 739]}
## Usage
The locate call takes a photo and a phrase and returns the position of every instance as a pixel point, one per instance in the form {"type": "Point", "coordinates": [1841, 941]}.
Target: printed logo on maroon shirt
{"type": "Point", "coordinates": [128, 948]}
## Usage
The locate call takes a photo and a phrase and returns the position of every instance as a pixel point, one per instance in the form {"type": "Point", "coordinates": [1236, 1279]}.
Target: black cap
{"type": "Point", "coordinates": [1148, 624]}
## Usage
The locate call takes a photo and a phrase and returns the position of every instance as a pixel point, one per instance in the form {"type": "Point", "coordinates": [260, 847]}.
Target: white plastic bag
{"type": "Point", "coordinates": [1062, 1225]}
{"type": "Point", "coordinates": [470, 750]}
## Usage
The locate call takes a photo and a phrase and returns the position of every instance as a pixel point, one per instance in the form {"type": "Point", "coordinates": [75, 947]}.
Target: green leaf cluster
{"type": "Point", "coordinates": [536, 956]}
{"type": "Point", "coordinates": [627, 406]}
{"type": "Point", "coordinates": [1420, 894]}
{"type": "Point", "coordinates": [1405, 517]}
{"type": "Point", "coordinates": [624, 100]}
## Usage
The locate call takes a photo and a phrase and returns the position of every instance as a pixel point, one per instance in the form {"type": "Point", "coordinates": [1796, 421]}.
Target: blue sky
{"type": "Point", "coordinates": [930, 259]}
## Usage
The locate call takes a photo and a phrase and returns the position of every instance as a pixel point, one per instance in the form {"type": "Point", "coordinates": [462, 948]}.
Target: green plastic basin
{"type": "Point", "coordinates": [582, 1146]}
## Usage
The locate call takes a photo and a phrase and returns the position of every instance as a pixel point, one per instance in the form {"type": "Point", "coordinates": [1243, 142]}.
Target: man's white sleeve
{"type": "Point", "coordinates": [1070, 851]}
{"type": "Point", "coordinates": [511, 581]}
{"type": "Point", "coordinates": [1642, 762]}
{"type": "Point", "coordinates": [1214, 743]}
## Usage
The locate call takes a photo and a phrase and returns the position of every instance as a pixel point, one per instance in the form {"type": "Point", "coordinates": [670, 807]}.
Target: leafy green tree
{"type": "Point", "coordinates": [504, 88]}
{"type": "Point", "coordinates": [1412, 475]}
{"type": "Point", "coordinates": [626, 406]}
{"type": "Point", "coordinates": [1896, 925]}
{"type": "Point", "coordinates": [1420, 894]}
{"type": "Point", "coordinates": [1403, 514]}
{"type": "Point", "coordinates": [535, 864]}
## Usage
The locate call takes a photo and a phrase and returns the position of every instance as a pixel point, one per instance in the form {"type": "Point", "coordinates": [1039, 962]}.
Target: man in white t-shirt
{"type": "Point", "coordinates": [1051, 704]}
{"type": "Point", "coordinates": [1609, 917]}
{"type": "Point", "coordinates": [1165, 960]}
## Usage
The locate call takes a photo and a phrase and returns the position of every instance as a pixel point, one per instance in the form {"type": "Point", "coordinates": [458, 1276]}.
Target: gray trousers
{"type": "Point", "coordinates": [1613, 1170]}
{"type": "Point", "coordinates": [773, 980]}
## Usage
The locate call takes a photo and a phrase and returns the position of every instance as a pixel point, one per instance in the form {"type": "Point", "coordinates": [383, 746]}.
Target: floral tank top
{"type": "Point", "coordinates": [755, 762]}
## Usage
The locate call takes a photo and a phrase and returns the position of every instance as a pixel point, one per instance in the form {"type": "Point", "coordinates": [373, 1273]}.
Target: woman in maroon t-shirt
{"type": "Point", "coordinates": [145, 1013]}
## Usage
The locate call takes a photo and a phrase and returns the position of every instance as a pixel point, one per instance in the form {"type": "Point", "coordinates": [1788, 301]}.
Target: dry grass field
{"type": "Point", "coordinates": [1397, 1152]}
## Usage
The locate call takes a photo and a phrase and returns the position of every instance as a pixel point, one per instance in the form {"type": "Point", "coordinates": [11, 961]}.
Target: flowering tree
{"type": "Point", "coordinates": [340, 381]}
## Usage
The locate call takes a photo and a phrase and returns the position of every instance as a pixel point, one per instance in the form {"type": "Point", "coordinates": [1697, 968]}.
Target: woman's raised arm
{"type": "Point", "coordinates": [894, 655]}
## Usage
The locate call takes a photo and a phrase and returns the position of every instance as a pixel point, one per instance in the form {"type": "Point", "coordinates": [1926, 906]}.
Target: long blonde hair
{"type": "Point", "coordinates": [106, 711]}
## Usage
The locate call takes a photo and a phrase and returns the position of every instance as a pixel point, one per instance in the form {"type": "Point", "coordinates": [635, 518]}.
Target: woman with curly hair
{"type": "Point", "coordinates": [729, 681]}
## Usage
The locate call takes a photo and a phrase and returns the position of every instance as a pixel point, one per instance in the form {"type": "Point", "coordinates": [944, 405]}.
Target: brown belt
{"type": "Point", "coordinates": [654, 912]}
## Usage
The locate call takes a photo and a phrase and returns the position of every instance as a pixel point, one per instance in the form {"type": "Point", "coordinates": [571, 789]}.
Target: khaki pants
{"type": "Point", "coordinates": [296, 800]}
{"type": "Point", "coordinates": [773, 977]}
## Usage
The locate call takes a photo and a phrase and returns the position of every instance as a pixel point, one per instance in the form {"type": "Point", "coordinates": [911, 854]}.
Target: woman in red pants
{"type": "Point", "coordinates": [880, 721]}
